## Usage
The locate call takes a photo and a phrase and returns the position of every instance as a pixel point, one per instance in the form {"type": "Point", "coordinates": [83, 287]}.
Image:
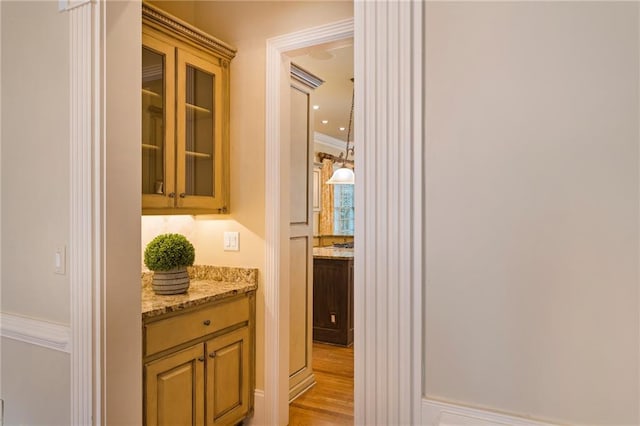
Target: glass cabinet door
{"type": "Point", "coordinates": [199, 150]}
{"type": "Point", "coordinates": [158, 65]}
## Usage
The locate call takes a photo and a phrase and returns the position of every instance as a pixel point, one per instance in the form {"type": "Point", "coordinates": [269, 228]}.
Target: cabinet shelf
{"type": "Point", "coordinates": [197, 108]}
{"type": "Point", "coordinates": [151, 93]}
{"type": "Point", "coordinates": [197, 154]}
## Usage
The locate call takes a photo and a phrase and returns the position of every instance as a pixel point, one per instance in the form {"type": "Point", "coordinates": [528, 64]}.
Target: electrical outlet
{"type": "Point", "coordinates": [333, 318]}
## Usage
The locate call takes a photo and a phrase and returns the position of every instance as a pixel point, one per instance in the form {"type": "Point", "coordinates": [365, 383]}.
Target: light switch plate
{"type": "Point", "coordinates": [60, 260]}
{"type": "Point", "coordinates": [231, 241]}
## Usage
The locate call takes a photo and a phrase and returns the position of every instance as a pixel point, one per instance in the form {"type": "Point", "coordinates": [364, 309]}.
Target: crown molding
{"type": "Point", "coordinates": [305, 77]}
{"type": "Point", "coordinates": [159, 18]}
{"type": "Point", "coordinates": [329, 141]}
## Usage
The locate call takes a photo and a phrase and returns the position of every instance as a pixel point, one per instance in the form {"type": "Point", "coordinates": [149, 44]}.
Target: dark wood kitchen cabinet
{"type": "Point", "coordinates": [333, 300]}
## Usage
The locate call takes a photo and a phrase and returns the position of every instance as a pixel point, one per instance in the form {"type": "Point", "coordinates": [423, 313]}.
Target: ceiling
{"type": "Point", "coordinates": [332, 63]}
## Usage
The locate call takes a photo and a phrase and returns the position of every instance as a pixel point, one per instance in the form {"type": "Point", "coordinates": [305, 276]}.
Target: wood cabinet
{"type": "Point", "coordinates": [175, 388]}
{"type": "Point", "coordinates": [185, 117]}
{"type": "Point", "coordinates": [228, 384]}
{"type": "Point", "coordinates": [199, 364]}
{"type": "Point", "coordinates": [333, 300]}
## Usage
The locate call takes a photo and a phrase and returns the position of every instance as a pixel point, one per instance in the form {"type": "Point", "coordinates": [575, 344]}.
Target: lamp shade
{"type": "Point", "coordinates": [342, 176]}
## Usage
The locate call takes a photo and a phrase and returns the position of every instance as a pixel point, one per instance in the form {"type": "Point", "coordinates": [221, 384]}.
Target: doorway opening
{"type": "Point", "coordinates": [321, 367]}
{"type": "Point", "coordinates": [277, 185]}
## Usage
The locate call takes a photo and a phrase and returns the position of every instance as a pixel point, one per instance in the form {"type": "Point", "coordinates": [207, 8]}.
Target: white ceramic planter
{"type": "Point", "coordinates": [175, 281]}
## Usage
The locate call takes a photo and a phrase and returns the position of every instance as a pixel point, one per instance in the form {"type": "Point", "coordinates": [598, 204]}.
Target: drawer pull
{"type": "Point", "coordinates": [207, 322]}
{"type": "Point", "coordinates": [201, 358]}
{"type": "Point", "coordinates": [212, 355]}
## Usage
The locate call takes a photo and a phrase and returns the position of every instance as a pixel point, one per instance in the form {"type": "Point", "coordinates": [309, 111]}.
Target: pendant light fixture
{"type": "Point", "coordinates": [344, 175]}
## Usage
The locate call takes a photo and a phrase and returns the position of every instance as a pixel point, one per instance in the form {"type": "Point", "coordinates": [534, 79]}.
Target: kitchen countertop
{"type": "Point", "coordinates": [208, 283]}
{"type": "Point", "coordinates": [332, 253]}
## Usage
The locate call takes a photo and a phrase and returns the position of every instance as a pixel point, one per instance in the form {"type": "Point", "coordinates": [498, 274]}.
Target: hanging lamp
{"type": "Point", "coordinates": [344, 175]}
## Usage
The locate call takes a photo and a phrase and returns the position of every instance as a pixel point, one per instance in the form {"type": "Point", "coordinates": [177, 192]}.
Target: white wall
{"type": "Point", "coordinates": [36, 383]}
{"type": "Point", "coordinates": [531, 173]}
{"type": "Point", "coordinates": [35, 204]}
{"type": "Point", "coordinates": [35, 158]}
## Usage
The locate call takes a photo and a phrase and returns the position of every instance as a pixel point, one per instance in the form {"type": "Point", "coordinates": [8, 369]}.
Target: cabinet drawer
{"type": "Point", "coordinates": [166, 333]}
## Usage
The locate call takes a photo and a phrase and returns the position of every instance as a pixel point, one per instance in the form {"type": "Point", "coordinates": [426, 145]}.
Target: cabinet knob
{"type": "Point", "coordinates": [183, 194]}
{"type": "Point", "coordinates": [207, 322]}
{"type": "Point", "coordinates": [201, 358]}
{"type": "Point", "coordinates": [172, 195]}
{"type": "Point", "coordinates": [212, 355]}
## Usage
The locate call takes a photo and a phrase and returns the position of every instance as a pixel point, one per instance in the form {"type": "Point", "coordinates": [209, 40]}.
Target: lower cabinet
{"type": "Point", "coordinates": [175, 388]}
{"type": "Point", "coordinates": [208, 382]}
{"type": "Point", "coordinates": [333, 300]}
{"type": "Point", "coordinates": [227, 371]}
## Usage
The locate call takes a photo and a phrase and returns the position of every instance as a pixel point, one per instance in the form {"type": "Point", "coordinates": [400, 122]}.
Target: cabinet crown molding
{"type": "Point", "coordinates": [159, 18]}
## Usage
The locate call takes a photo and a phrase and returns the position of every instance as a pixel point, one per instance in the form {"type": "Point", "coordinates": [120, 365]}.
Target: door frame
{"type": "Point", "coordinates": [276, 292]}
{"type": "Point", "coordinates": [389, 199]}
{"type": "Point", "coordinates": [388, 72]}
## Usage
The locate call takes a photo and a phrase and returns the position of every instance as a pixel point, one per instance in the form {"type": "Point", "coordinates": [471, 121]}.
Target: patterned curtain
{"type": "Point", "coordinates": [326, 210]}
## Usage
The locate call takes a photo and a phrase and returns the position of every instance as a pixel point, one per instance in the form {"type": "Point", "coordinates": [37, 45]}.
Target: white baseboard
{"type": "Point", "coordinates": [35, 331]}
{"type": "Point", "coordinates": [436, 413]}
{"type": "Point", "coordinates": [258, 418]}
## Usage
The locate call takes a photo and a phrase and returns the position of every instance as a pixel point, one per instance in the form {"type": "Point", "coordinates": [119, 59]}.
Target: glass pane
{"type": "Point", "coordinates": [153, 144]}
{"type": "Point", "coordinates": [199, 139]}
{"type": "Point", "coordinates": [343, 210]}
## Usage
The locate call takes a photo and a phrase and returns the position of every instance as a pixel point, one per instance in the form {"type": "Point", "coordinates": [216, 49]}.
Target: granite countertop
{"type": "Point", "coordinates": [332, 253]}
{"type": "Point", "coordinates": [208, 283]}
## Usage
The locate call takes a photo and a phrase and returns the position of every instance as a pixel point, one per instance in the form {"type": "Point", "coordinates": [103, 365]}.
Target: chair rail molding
{"type": "Point", "coordinates": [35, 331]}
{"type": "Point", "coordinates": [389, 213]}
{"type": "Point", "coordinates": [276, 289]}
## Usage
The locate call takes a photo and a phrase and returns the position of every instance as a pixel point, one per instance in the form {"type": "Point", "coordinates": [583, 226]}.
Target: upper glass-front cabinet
{"type": "Point", "coordinates": [158, 149]}
{"type": "Point", "coordinates": [200, 130]}
{"type": "Point", "coordinates": [185, 118]}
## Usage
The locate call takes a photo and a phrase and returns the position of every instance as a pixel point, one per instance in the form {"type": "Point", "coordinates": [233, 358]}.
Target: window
{"type": "Point", "coordinates": [343, 212]}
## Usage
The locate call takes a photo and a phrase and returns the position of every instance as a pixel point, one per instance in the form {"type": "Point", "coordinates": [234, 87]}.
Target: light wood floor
{"type": "Point", "coordinates": [330, 401]}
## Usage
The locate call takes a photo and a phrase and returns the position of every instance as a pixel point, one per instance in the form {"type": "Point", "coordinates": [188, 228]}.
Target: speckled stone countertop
{"type": "Point", "coordinates": [332, 253]}
{"type": "Point", "coordinates": [208, 283]}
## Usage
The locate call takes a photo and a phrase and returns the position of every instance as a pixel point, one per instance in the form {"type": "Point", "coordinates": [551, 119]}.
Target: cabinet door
{"type": "Point", "coordinates": [174, 388]}
{"type": "Point", "coordinates": [199, 130]}
{"type": "Point", "coordinates": [158, 117]}
{"type": "Point", "coordinates": [228, 377]}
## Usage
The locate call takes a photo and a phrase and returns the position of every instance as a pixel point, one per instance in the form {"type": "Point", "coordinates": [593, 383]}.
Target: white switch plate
{"type": "Point", "coordinates": [231, 241]}
{"type": "Point", "coordinates": [60, 260]}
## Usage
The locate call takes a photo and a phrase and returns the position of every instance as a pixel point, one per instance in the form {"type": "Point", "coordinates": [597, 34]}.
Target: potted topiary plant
{"type": "Point", "coordinates": [168, 256]}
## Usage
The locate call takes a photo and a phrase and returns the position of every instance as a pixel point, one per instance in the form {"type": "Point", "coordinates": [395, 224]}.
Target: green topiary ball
{"type": "Point", "coordinates": [169, 251]}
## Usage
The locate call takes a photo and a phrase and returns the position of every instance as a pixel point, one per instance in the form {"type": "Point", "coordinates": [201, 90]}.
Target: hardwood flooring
{"type": "Point", "coordinates": [330, 400]}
